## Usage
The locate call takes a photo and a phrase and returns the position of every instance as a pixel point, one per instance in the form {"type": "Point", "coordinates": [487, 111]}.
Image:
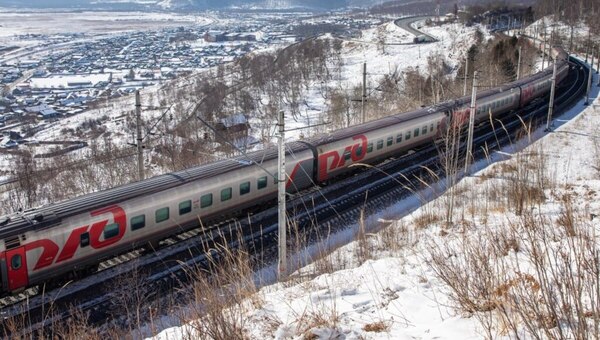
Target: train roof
{"type": "Point", "coordinates": [49, 215]}
{"type": "Point", "coordinates": [379, 123]}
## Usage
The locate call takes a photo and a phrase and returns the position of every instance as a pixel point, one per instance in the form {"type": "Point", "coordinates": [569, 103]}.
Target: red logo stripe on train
{"type": "Point", "coordinates": [339, 161]}
{"type": "Point", "coordinates": [50, 249]}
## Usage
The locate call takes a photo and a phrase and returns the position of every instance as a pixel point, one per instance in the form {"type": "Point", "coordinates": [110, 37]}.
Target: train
{"type": "Point", "coordinates": [55, 241]}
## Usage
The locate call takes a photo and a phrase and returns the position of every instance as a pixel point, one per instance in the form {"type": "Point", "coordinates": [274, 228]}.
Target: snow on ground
{"type": "Point", "coordinates": [453, 42]}
{"type": "Point", "coordinates": [15, 23]}
{"type": "Point", "coordinates": [548, 26]}
{"type": "Point", "coordinates": [389, 32]}
{"type": "Point", "coordinates": [395, 294]}
{"type": "Point", "coordinates": [379, 48]}
{"type": "Point", "coordinates": [63, 81]}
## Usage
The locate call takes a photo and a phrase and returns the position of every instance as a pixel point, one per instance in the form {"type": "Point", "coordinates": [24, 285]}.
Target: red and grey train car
{"type": "Point", "coordinates": [49, 242]}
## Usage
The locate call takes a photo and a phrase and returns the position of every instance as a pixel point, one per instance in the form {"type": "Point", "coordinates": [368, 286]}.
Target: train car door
{"type": "Point", "coordinates": [16, 264]}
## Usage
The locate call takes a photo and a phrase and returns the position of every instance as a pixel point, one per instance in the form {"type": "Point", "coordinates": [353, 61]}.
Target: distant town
{"type": "Point", "coordinates": [75, 70]}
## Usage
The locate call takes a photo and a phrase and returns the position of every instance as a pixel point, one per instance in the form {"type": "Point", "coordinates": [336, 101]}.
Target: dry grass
{"type": "Point", "coordinates": [377, 327]}
{"type": "Point", "coordinates": [533, 276]}
{"type": "Point", "coordinates": [363, 250]}
{"type": "Point", "coordinates": [425, 220]}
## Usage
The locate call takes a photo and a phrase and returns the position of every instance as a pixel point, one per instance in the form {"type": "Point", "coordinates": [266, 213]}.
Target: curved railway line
{"type": "Point", "coordinates": [334, 205]}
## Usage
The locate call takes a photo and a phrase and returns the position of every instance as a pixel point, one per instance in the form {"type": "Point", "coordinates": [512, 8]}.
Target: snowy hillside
{"type": "Point", "coordinates": [523, 242]}
{"type": "Point", "coordinates": [388, 285]}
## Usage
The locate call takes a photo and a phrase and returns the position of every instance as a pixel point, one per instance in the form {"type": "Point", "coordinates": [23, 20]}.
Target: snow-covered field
{"type": "Point", "coordinates": [395, 294]}
{"type": "Point", "coordinates": [47, 23]}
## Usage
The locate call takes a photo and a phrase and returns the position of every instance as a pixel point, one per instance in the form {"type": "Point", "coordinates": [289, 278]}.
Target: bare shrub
{"type": "Point", "coordinates": [364, 247]}
{"type": "Point", "coordinates": [394, 237]}
{"type": "Point", "coordinates": [377, 327]}
{"type": "Point", "coordinates": [528, 277]}
{"type": "Point", "coordinates": [426, 219]}
{"type": "Point", "coordinates": [221, 295]}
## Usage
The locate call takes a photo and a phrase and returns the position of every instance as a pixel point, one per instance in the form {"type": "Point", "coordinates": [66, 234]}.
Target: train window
{"type": "Point", "coordinates": [111, 230]}
{"type": "Point", "coordinates": [161, 215]}
{"type": "Point", "coordinates": [380, 144]}
{"type": "Point", "coordinates": [347, 155]}
{"type": "Point", "coordinates": [226, 194]}
{"type": "Point", "coordinates": [185, 207]}
{"type": "Point", "coordinates": [206, 201]}
{"type": "Point", "coordinates": [261, 183]}
{"type": "Point", "coordinates": [137, 222]}
{"type": "Point", "coordinates": [359, 151]}
{"type": "Point", "coordinates": [416, 132]}
{"type": "Point", "coordinates": [424, 130]}
{"type": "Point", "coordinates": [390, 141]}
{"type": "Point", "coordinates": [399, 138]}
{"type": "Point", "coordinates": [16, 262]}
{"type": "Point", "coordinates": [84, 239]}
{"type": "Point", "coordinates": [369, 147]}
{"type": "Point", "coordinates": [244, 188]}
{"type": "Point", "coordinates": [431, 127]}
{"type": "Point", "coordinates": [407, 135]}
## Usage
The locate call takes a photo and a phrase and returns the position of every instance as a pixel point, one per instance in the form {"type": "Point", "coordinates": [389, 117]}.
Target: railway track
{"type": "Point", "coordinates": [335, 205]}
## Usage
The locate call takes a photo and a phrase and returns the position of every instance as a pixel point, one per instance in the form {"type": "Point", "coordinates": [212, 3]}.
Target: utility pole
{"type": "Point", "coordinates": [592, 62]}
{"type": "Point", "coordinates": [571, 40]}
{"type": "Point", "coordinates": [598, 65]}
{"type": "Point", "coordinates": [518, 66]}
{"type": "Point", "coordinates": [469, 154]}
{"type": "Point", "coordinates": [587, 46]}
{"type": "Point", "coordinates": [466, 73]}
{"type": "Point", "coordinates": [551, 104]}
{"type": "Point", "coordinates": [281, 181]}
{"type": "Point", "coordinates": [589, 84]}
{"type": "Point", "coordinates": [598, 62]}
{"type": "Point", "coordinates": [364, 91]}
{"type": "Point", "coordinates": [543, 52]}
{"type": "Point", "coordinates": [140, 148]}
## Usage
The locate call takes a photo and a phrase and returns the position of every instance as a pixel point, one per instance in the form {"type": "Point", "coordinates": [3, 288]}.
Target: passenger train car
{"type": "Point", "coordinates": [42, 244]}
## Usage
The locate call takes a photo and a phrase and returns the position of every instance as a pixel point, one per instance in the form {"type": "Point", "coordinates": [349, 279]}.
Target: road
{"type": "Point", "coordinates": [406, 23]}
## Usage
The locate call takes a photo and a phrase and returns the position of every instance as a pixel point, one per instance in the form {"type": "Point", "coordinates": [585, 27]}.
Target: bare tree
{"type": "Point", "coordinates": [449, 153]}
{"type": "Point", "coordinates": [25, 171]}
